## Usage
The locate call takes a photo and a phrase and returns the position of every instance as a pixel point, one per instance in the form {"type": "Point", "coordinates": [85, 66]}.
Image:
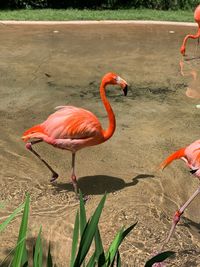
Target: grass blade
{"type": "Point", "coordinates": [88, 234]}
{"type": "Point", "coordinates": [75, 240]}
{"type": "Point", "coordinates": [159, 258]}
{"type": "Point", "coordinates": [37, 259]}
{"type": "Point", "coordinates": [49, 258]}
{"type": "Point", "coordinates": [9, 219]}
{"type": "Point", "coordinates": [22, 236]}
{"type": "Point", "coordinates": [100, 256]}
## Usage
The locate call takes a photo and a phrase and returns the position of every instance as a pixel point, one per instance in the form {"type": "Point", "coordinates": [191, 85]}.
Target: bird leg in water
{"type": "Point", "coordinates": [29, 147]}
{"type": "Point", "coordinates": [178, 214]}
{"type": "Point", "coordinates": [73, 176]}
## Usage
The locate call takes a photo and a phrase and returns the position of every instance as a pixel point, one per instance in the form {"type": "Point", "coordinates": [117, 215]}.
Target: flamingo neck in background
{"type": "Point", "coordinates": [111, 117]}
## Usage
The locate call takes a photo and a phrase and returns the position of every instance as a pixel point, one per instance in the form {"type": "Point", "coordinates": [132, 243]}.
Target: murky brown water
{"type": "Point", "coordinates": [41, 69]}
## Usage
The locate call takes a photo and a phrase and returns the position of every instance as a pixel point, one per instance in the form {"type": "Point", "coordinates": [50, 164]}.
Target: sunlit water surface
{"type": "Point", "coordinates": [42, 67]}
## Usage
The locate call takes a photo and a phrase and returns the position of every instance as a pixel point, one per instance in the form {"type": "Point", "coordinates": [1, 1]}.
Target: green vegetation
{"type": "Point", "coordinates": [85, 234]}
{"type": "Point", "coordinates": [75, 14]}
{"type": "Point", "coordinates": [100, 4]}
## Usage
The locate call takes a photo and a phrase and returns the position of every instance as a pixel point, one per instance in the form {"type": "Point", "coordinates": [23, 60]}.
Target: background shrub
{"type": "Point", "coordinates": [100, 4]}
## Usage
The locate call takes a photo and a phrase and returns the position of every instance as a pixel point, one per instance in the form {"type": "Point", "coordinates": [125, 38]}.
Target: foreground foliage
{"type": "Point", "coordinates": [85, 234]}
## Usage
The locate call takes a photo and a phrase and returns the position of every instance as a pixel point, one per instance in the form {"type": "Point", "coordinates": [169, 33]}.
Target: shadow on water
{"type": "Point", "coordinates": [30, 243]}
{"type": "Point", "coordinates": [99, 184]}
{"type": "Point", "coordinates": [190, 224]}
{"type": "Point", "coordinates": [191, 58]}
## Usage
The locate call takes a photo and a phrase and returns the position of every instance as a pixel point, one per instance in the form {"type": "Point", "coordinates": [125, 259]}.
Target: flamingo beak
{"type": "Point", "coordinates": [125, 90]}
{"type": "Point", "coordinates": [193, 171]}
{"type": "Point", "coordinates": [123, 85]}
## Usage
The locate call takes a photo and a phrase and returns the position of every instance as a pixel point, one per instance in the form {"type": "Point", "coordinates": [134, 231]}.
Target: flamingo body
{"type": "Point", "coordinates": [73, 128]}
{"type": "Point", "coordinates": [69, 128]}
{"type": "Point", "coordinates": [197, 14]}
{"type": "Point", "coordinates": [191, 156]}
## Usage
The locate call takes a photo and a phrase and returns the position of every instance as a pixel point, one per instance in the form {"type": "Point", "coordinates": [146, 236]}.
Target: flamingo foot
{"type": "Point", "coordinates": [28, 146]}
{"type": "Point", "coordinates": [75, 185]}
{"type": "Point", "coordinates": [54, 177]}
{"type": "Point", "coordinates": [158, 264]}
{"type": "Point", "coordinates": [86, 198]}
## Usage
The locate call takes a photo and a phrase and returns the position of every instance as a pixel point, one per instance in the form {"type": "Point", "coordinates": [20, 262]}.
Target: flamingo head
{"type": "Point", "coordinates": [182, 50]}
{"type": "Point", "coordinates": [112, 78]}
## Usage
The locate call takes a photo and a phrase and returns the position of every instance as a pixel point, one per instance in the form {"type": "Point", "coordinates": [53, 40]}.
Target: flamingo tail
{"type": "Point", "coordinates": [176, 155]}
{"type": "Point", "coordinates": [34, 132]}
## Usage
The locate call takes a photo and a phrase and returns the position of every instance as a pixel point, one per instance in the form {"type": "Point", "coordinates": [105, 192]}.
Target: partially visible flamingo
{"type": "Point", "coordinates": [197, 35]}
{"type": "Point", "coordinates": [191, 156]}
{"type": "Point", "coordinates": [73, 128]}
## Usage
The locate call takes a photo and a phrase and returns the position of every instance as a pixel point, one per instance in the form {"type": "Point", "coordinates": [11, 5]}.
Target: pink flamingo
{"type": "Point", "coordinates": [197, 35]}
{"type": "Point", "coordinates": [191, 156]}
{"type": "Point", "coordinates": [73, 128]}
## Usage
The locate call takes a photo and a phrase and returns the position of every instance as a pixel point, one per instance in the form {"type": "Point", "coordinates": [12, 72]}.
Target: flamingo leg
{"type": "Point", "coordinates": [178, 214]}
{"type": "Point", "coordinates": [29, 147]}
{"type": "Point", "coordinates": [73, 176]}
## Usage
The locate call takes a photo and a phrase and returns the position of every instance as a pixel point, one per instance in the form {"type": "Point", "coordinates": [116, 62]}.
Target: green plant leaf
{"type": "Point", "coordinates": [110, 255]}
{"type": "Point", "coordinates": [12, 216]}
{"type": "Point", "coordinates": [128, 230]}
{"type": "Point", "coordinates": [88, 234]}
{"type": "Point", "coordinates": [91, 262]}
{"type": "Point", "coordinates": [37, 258]}
{"type": "Point", "coordinates": [25, 257]}
{"type": "Point", "coordinates": [75, 240]}
{"type": "Point", "coordinates": [118, 260]}
{"type": "Point", "coordinates": [159, 258]}
{"type": "Point", "coordinates": [100, 256]}
{"type": "Point", "coordinates": [49, 258]}
{"type": "Point", "coordinates": [18, 255]}
{"type": "Point", "coordinates": [83, 219]}
{"type": "Point", "coordinates": [12, 252]}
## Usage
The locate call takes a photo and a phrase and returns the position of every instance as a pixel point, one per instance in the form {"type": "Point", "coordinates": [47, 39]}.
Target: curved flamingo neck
{"type": "Point", "coordinates": [111, 117]}
{"type": "Point", "coordinates": [195, 36]}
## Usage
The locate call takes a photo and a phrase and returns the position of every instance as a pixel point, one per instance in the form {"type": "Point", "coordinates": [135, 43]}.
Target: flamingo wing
{"type": "Point", "coordinates": [70, 122]}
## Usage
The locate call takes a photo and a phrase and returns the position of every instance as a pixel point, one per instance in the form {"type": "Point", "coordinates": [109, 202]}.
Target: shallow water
{"type": "Point", "coordinates": [46, 66]}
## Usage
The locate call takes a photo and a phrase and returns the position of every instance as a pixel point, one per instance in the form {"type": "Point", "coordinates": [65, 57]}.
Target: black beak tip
{"type": "Point", "coordinates": [125, 90]}
{"type": "Point", "coordinates": [193, 171]}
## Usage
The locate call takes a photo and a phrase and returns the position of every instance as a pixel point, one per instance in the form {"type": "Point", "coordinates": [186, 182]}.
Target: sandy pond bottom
{"type": "Point", "coordinates": [42, 67]}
